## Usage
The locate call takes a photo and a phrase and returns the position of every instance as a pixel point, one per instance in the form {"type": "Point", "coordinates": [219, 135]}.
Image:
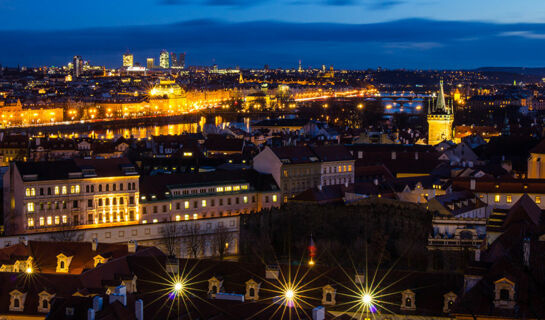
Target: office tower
{"type": "Point", "coordinates": [128, 59]}
{"type": "Point", "coordinates": [150, 63]}
{"type": "Point", "coordinates": [174, 59]}
{"type": "Point", "coordinates": [164, 60]}
{"type": "Point", "coordinates": [78, 66]}
{"type": "Point", "coordinates": [181, 61]}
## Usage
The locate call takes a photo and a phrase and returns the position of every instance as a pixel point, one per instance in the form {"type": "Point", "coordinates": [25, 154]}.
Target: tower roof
{"type": "Point", "coordinates": [441, 105]}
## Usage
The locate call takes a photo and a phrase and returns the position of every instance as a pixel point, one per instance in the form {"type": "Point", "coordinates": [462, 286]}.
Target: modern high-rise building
{"type": "Point", "coordinates": [164, 59]}
{"type": "Point", "coordinates": [174, 60]}
{"type": "Point", "coordinates": [440, 119]}
{"type": "Point", "coordinates": [78, 66]}
{"type": "Point", "coordinates": [128, 59]}
{"type": "Point", "coordinates": [150, 63]}
{"type": "Point", "coordinates": [181, 61]}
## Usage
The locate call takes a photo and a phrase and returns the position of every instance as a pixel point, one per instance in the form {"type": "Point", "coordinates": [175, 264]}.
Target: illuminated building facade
{"type": "Point", "coordinates": [77, 65]}
{"type": "Point", "coordinates": [150, 63]}
{"type": "Point", "coordinates": [15, 115]}
{"type": "Point", "coordinates": [440, 120]}
{"type": "Point", "coordinates": [164, 59]}
{"type": "Point", "coordinates": [177, 197]}
{"type": "Point", "coordinates": [128, 60]}
{"type": "Point", "coordinates": [70, 194]}
{"type": "Point", "coordinates": [296, 169]}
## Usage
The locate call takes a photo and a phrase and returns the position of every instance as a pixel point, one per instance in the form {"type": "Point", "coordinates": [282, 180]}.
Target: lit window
{"type": "Point", "coordinates": [274, 197]}
{"type": "Point", "coordinates": [244, 187]}
{"type": "Point", "coordinates": [77, 188]}
{"type": "Point", "coordinates": [33, 192]}
{"type": "Point", "coordinates": [285, 173]}
{"type": "Point", "coordinates": [30, 206]}
{"type": "Point", "coordinates": [509, 199]}
{"type": "Point", "coordinates": [344, 168]}
{"type": "Point", "coordinates": [72, 189]}
{"type": "Point", "coordinates": [350, 168]}
{"type": "Point", "coordinates": [27, 192]}
{"type": "Point", "coordinates": [186, 204]}
{"type": "Point", "coordinates": [245, 199]}
{"type": "Point", "coordinates": [228, 188]}
{"type": "Point", "coordinates": [57, 220]}
{"type": "Point", "coordinates": [64, 190]}
{"type": "Point", "coordinates": [340, 169]}
{"type": "Point", "coordinates": [195, 216]}
{"type": "Point", "coordinates": [497, 198]}
{"type": "Point", "coordinates": [538, 200]}
{"type": "Point", "coordinates": [31, 222]}
{"type": "Point", "coordinates": [64, 219]}
{"type": "Point", "coordinates": [56, 189]}
{"type": "Point", "coordinates": [203, 203]}
{"type": "Point", "coordinates": [41, 221]}
{"type": "Point", "coordinates": [155, 220]}
{"type": "Point", "coordinates": [144, 221]}
{"type": "Point", "coordinates": [186, 217]}
{"type": "Point", "coordinates": [219, 189]}
{"type": "Point", "coordinates": [178, 218]}
{"type": "Point", "coordinates": [236, 188]}
{"type": "Point", "coordinates": [49, 220]}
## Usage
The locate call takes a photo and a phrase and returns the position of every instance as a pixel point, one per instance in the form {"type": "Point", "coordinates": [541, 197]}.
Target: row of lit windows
{"type": "Point", "coordinates": [211, 190]}
{"type": "Point", "coordinates": [338, 169]}
{"type": "Point", "coordinates": [204, 203]}
{"type": "Point", "coordinates": [31, 207]}
{"type": "Point", "coordinates": [509, 199]}
{"type": "Point", "coordinates": [49, 219]}
{"type": "Point", "coordinates": [74, 189]}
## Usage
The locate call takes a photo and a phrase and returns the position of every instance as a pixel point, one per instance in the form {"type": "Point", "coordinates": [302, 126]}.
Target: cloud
{"type": "Point", "coordinates": [371, 4]}
{"type": "Point", "coordinates": [413, 43]}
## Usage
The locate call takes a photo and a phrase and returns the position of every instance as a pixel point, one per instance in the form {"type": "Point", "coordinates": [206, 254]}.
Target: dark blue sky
{"type": "Point", "coordinates": [346, 33]}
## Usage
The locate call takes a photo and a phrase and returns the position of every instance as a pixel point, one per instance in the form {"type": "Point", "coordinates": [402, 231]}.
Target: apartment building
{"type": "Point", "coordinates": [76, 193]}
{"type": "Point", "coordinates": [177, 197]}
{"type": "Point", "coordinates": [298, 168]}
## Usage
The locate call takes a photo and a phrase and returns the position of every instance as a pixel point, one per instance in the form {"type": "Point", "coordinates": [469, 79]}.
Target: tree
{"type": "Point", "coordinates": [169, 238]}
{"type": "Point", "coordinates": [220, 240]}
{"type": "Point", "coordinates": [194, 240]}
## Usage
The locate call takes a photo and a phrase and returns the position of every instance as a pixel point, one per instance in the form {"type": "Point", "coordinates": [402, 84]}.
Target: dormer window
{"type": "Point", "coordinates": [214, 286]}
{"type": "Point", "coordinates": [408, 300]}
{"type": "Point", "coordinates": [98, 259]}
{"type": "Point", "coordinates": [44, 301]}
{"type": "Point", "coordinates": [504, 294]}
{"type": "Point", "coordinates": [17, 301]}
{"type": "Point", "coordinates": [63, 263]}
{"type": "Point", "coordinates": [252, 290]}
{"type": "Point", "coordinates": [328, 295]}
{"type": "Point", "coordinates": [448, 303]}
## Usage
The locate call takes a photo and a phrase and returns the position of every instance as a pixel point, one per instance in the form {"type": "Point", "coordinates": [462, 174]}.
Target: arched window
{"type": "Point", "coordinates": [99, 188]}
{"type": "Point", "coordinates": [214, 290]}
{"type": "Point", "coordinates": [328, 297]}
{"type": "Point", "coordinates": [62, 264]}
{"type": "Point", "coordinates": [504, 294]}
{"type": "Point", "coordinates": [408, 302]}
{"type": "Point", "coordinates": [45, 304]}
{"type": "Point", "coordinates": [107, 187]}
{"type": "Point", "coordinates": [16, 303]}
{"type": "Point", "coordinates": [92, 188]}
{"type": "Point", "coordinates": [252, 292]}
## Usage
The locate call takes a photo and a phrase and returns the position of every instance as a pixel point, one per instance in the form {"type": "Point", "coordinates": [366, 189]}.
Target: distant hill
{"type": "Point", "coordinates": [516, 70]}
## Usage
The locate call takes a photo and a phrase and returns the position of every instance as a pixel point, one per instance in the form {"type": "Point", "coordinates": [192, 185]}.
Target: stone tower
{"type": "Point", "coordinates": [440, 119]}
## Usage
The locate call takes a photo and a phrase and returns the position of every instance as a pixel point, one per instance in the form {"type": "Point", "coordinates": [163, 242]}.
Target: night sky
{"type": "Point", "coordinates": [355, 34]}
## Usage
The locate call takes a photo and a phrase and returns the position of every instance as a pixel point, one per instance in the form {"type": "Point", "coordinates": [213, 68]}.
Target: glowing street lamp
{"type": "Point", "coordinates": [289, 295]}
{"type": "Point", "coordinates": [29, 270]}
{"type": "Point", "coordinates": [367, 299]}
{"type": "Point", "coordinates": [178, 287]}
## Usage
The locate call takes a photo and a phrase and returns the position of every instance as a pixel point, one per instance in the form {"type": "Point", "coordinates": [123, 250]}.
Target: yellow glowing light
{"type": "Point", "coordinates": [178, 286]}
{"type": "Point", "coordinates": [366, 299]}
{"type": "Point", "coordinates": [311, 263]}
{"type": "Point", "coordinates": [28, 270]}
{"type": "Point", "coordinates": [289, 294]}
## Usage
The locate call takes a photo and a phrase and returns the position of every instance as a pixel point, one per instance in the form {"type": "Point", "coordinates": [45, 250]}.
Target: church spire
{"type": "Point", "coordinates": [441, 105]}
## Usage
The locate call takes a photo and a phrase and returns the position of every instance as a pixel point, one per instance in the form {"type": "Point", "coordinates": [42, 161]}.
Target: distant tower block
{"type": "Point", "coordinates": [128, 59]}
{"type": "Point", "coordinates": [164, 59]}
{"type": "Point", "coordinates": [440, 119]}
{"type": "Point", "coordinates": [300, 67]}
{"type": "Point", "coordinates": [150, 63]}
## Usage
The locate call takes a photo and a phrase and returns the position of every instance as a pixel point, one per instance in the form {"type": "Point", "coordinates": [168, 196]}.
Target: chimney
{"type": "Point", "coordinates": [94, 244]}
{"type": "Point", "coordinates": [139, 309]}
{"type": "Point", "coordinates": [272, 272]}
{"type": "Point", "coordinates": [91, 314]}
{"type": "Point", "coordinates": [97, 303]}
{"type": "Point", "coordinates": [416, 155]}
{"type": "Point", "coordinates": [119, 294]}
{"type": "Point", "coordinates": [318, 313]}
{"type": "Point", "coordinates": [394, 155]}
{"type": "Point", "coordinates": [359, 278]}
{"type": "Point", "coordinates": [472, 184]}
{"type": "Point", "coordinates": [526, 252]}
{"type": "Point", "coordinates": [132, 246]}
